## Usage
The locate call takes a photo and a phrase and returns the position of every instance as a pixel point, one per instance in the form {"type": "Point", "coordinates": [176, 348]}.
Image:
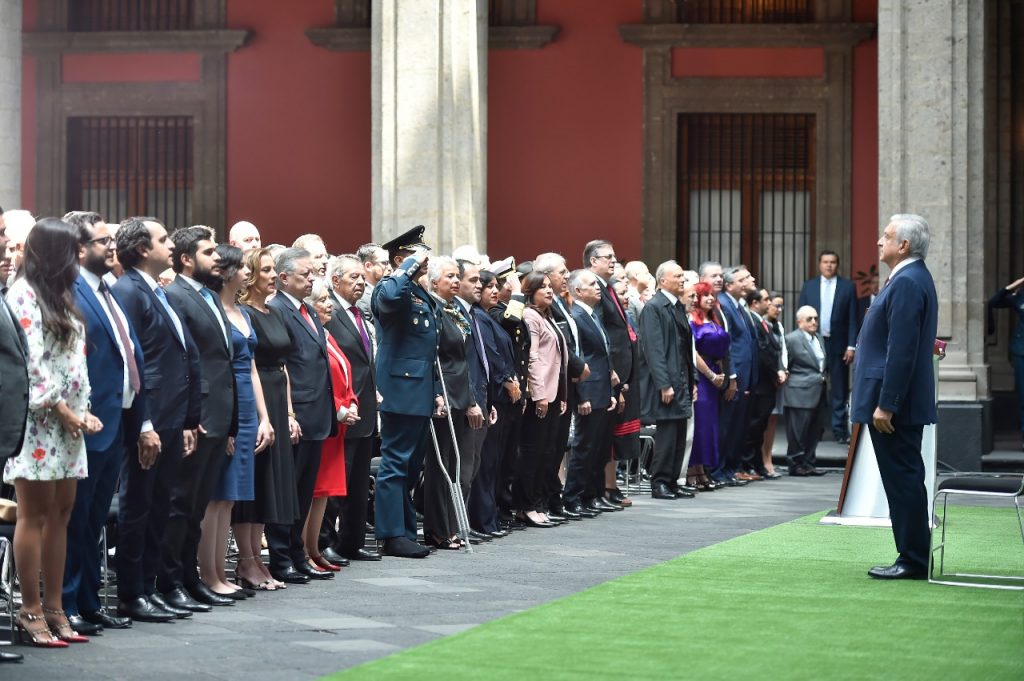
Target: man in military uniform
{"type": "Point", "coordinates": [408, 321]}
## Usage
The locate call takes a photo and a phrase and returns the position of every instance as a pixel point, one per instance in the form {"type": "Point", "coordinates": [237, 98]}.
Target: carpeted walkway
{"type": "Point", "coordinates": [789, 602]}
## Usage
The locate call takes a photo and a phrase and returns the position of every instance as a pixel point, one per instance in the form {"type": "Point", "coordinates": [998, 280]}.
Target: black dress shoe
{"type": "Point", "coordinates": [401, 547]}
{"type": "Point", "coordinates": [10, 657]}
{"type": "Point", "coordinates": [178, 598]}
{"type": "Point", "coordinates": [181, 613]}
{"type": "Point", "coordinates": [205, 594]}
{"type": "Point", "coordinates": [361, 554]}
{"type": "Point", "coordinates": [530, 522]}
{"type": "Point", "coordinates": [592, 506]}
{"type": "Point", "coordinates": [290, 576]}
{"type": "Point", "coordinates": [106, 620]}
{"type": "Point", "coordinates": [484, 537]}
{"type": "Point", "coordinates": [82, 627]}
{"type": "Point", "coordinates": [661, 491]}
{"type": "Point", "coordinates": [799, 471]}
{"type": "Point", "coordinates": [499, 534]}
{"type": "Point", "coordinates": [606, 505]}
{"type": "Point", "coordinates": [815, 472]}
{"type": "Point", "coordinates": [141, 610]}
{"type": "Point", "coordinates": [572, 513]}
{"type": "Point", "coordinates": [683, 493]}
{"type": "Point", "coordinates": [335, 558]}
{"type": "Point", "coordinates": [312, 573]}
{"type": "Point", "coordinates": [686, 488]}
{"type": "Point", "coordinates": [897, 570]}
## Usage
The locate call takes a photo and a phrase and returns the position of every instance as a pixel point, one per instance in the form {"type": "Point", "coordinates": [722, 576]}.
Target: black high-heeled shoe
{"type": "Point", "coordinates": [530, 522]}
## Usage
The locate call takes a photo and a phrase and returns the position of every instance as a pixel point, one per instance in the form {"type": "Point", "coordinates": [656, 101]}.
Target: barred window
{"type": "Point", "coordinates": [131, 15]}
{"type": "Point", "coordinates": [745, 11]}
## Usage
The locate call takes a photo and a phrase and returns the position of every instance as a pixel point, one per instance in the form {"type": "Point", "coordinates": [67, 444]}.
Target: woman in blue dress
{"type": "Point", "coordinates": [254, 431]}
{"type": "Point", "coordinates": [712, 343]}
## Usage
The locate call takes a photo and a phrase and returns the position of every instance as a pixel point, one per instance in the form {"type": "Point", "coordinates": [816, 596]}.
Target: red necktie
{"type": "Point", "coordinates": [765, 325]}
{"type": "Point", "coordinates": [618, 306]}
{"type": "Point", "coordinates": [133, 369]}
{"type": "Point", "coordinates": [309, 320]}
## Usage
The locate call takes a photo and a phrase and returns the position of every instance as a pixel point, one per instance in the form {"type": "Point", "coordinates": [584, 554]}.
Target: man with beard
{"type": "Point", "coordinates": [114, 357]}
{"type": "Point", "coordinates": [193, 295]}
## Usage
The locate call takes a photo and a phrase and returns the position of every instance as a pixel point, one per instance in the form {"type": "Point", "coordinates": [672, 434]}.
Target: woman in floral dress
{"type": "Point", "coordinates": [45, 473]}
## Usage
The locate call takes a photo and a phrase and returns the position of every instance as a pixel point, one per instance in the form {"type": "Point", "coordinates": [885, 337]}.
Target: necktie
{"type": "Point", "coordinates": [765, 325]}
{"type": "Point", "coordinates": [162, 297]}
{"type": "Point", "coordinates": [363, 336]}
{"type": "Point", "coordinates": [604, 336]}
{"type": "Point", "coordinates": [309, 320]}
{"type": "Point", "coordinates": [129, 357]}
{"type": "Point", "coordinates": [618, 306]}
{"type": "Point", "coordinates": [208, 297]}
{"type": "Point", "coordinates": [480, 343]}
{"type": "Point", "coordinates": [827, 299]}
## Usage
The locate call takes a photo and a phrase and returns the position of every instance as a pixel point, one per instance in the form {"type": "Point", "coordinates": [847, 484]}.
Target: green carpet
{"type": "Point", "coordinates": [789, 602]}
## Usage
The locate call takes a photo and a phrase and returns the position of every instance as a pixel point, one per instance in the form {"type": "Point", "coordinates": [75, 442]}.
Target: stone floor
{"type": "Point", "coordinates": [374, 609]}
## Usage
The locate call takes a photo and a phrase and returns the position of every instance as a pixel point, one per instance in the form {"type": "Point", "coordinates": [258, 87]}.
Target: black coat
{"type": "Point", "coordinates": [667, 352]}
{"type": "Point", "coordinates": [342, 328]}
{"type": "Point", "coordinates": [13, 385]}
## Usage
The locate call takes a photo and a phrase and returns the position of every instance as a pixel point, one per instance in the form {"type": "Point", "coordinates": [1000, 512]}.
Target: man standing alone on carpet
{"type": "Point", "coordinates": [894, 387]}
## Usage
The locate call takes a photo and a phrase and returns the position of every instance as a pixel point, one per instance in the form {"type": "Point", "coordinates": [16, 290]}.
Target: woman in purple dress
{"type": "Point", "coordinates": [712, 343]}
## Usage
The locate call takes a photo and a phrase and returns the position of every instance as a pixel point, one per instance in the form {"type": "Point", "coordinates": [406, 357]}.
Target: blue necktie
{"type": "Point", "coordinates": [162, 297]}
{"type": "Point", "coordinates": [208, 297]}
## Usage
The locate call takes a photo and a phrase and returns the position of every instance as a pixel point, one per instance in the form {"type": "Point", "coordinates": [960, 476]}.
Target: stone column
{"type": "Point", "coordinates": [429, 98]}
{"type": "Point", "coordinates": [931, 109]}
{"type": "Point", "coordinates": [10, 104]}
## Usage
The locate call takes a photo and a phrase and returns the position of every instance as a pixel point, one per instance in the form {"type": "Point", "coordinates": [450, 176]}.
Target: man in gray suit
{"type": "Point", "coordinates": [805, 394]}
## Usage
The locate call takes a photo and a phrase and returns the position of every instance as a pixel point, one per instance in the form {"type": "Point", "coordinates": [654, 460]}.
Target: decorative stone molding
{"type": "Point", "coordinates": [48, 43]}
{"type": "Point", "coordinates": [746, 35]}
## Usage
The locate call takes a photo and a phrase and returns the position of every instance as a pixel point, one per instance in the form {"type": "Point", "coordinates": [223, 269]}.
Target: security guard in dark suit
{"type": "Point", "coordinates": [408, 321]}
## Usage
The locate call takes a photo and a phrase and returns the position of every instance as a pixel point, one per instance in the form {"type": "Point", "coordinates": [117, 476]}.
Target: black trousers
{"type": "Point", "coordinates": [285, 540]}
{"type": "Point", "coordinates": [758, 413]}
{"type": "Point", "coordinates": [470, 457]}
{"type": "Point", "coordinates": [198, 474]}
{"type": "Point", "coordinates": [552, 483]}
{"type": "Point", "coordinates": [838, 385]}
{"type": "Point", "coordinates": [732, 428]}
{"type": "Point", "coordinates": [804, 428]}
{"type": "Point", "coordinates": [439, 517]}
{"type": "Point", "coordinates": [902, 471]}
{"type": "Point", "coordinates": [536, 449]}
{"type": "Point", "coordinates": [143, 509]}
{"type": "Point", "coordinates": [669, 452]}
{"type": "Point", "coordinates": [508, 457]}
{"type": "Point", "coordinates": [482, 503]}
{"type": "Point", "coordinates": [349, 512]}
{"type": "Point", "coordinates": [584, 473]}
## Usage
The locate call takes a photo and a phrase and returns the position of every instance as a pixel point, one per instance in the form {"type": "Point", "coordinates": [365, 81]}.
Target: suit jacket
{"type": "Point", "coordinates": [408, 321]}
{"type": "Point", "coordinates": [170, 379]}
{"type": "Point", "coordinates": [769, 358]}
{"type": "Point", "coordinates": [597, 388]}
{"type": "Point", "coordinates": [364, 372]}
{"type": "Point", "coordinates": [844, 322]}
{"type": "Point", "coordinates": [1015, 300]}
{"type": "Point", "coordinates": [216, 377]}
{"type": "Point", "coordinates": [107, 371]}
{"type": "Point", "coordinates": [309, 370]}
{"type": "Point", "coordinates": [475, 358]}
{"type": "Point", "coordinates": [667, 353]}
{"type": "Point", "coordinates": [13, 385]}
{"type": "Point", "coordinates": [453, 354]}
{"type": "Point", "coordinates": [742, 345]}
{"type": "Point", "coordinates": [548, 358]}
{"type": "Point", "coordinates": [623, 348]}
{"type": "Point", "coordinates": [501, 355]}
{"type": "Point", "coordinates": [806, 383]}
{"type": "Point", "coordinates": [519, 333]}
{"type": "Point", "coordinates": [576, 363]}
{"type": "Point", "coordinates": [893, 365]}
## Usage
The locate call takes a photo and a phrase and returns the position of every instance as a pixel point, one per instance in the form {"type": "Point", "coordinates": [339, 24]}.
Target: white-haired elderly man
{"type": "Point", "coordinates": [18, 223]}
{"type": "Point", "coordinates": [805, 396]}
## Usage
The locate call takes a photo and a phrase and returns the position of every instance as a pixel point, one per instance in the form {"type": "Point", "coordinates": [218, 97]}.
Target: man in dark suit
{"type": "Point", "coordinates": [408, 320]}
{"type": "Point", "coordinates": [734, 414]}
{"type": "Point", "coordinates": [1012, 296]}
{"type": "Point", "coordinates": [805, 397]}
{"type": "Point", "coordinates": [894, 387]}
{"type": "Point", "coordinates": [309, 374]}
{"type": "Point", "coordinates": [351, 331]}
{"type": "Point", "coordinates": [835, 299]}
{"type": "Point", "coordinates": [771, 374]}
{"type": "Point", "coordinates": [667, 352]}
{"type": "Point", "coordinates": [14, 378]}
{"type": "Point", "coordinates": [171, 384]}
{"type": "Point", "coordinates": [595, 403]}
{"type": "Point", "coordinates": [200, 310]}
{"type": "Point", "coordinates": [114, 357]}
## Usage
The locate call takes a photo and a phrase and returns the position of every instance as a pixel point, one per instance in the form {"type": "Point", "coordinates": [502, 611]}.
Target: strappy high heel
{"type": "Point", "coordinates": [39, 634]}
{"type": "Point", "coordinates": [59, 625]}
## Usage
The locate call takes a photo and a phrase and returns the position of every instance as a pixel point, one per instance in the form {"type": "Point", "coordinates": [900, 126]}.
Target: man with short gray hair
{"type": "Point", "coordinates": [804, 396]}
{"type": "Point", "coordinates": [376, 266]}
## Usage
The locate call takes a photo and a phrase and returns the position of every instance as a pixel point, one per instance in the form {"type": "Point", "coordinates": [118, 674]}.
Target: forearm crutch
{"type": "Point", "coordinates": [453, 486]}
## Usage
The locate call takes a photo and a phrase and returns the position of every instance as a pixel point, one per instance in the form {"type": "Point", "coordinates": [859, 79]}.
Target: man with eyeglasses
{"type": "Point", "coordinates": [377, 265]}
{"type": "Point", "coordinates": [805, 397]}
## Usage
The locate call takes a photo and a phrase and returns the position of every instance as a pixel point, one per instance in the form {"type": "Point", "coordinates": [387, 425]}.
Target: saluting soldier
{"type": "Point", "coordinates": [408, 320]}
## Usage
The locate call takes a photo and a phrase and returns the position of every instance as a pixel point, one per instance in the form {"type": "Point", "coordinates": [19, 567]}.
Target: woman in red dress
{"type": "Point", "coordinates": [330, 480]}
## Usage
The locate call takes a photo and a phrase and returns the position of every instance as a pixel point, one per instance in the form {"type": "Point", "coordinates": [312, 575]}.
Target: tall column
{"type": "Point", "coordinates": [931, 114]}
{"type": "Point", "coordinates": [429, 120]}
{"type": "Point", "coordinates": [10, 104]}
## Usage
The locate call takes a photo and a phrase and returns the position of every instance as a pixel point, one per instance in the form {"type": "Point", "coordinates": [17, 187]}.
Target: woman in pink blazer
{"type": "Point", "coordinates": [548, 380]}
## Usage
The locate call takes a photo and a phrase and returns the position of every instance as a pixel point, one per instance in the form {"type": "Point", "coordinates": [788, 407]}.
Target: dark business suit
{"type": "Point", "coordinates": [199, 472]}
{"type": "Point", "coordinates": [553, 484]}
{"type": "Point", "coordinates": [763, 395]}
{"type": "Point", "coordinates": [479, 376]}
{"type": "Point", "coordinates": [511, 320]}
{"type": "Point", "coordinates": [171, 384]}
{"type": "Point", "coordinates": [13, 384]}
{"type": "Point", "coordinates": [733, 417]}
{"type": "Point", "coordinates": [842, 334]}
{"type": "Point", "coordinates": [805, 400]}
{"type": "Point", "coordinates": [359, 438]}
{"type": "Point", "coordinates": [1015, 301]}
{"type": "Point", "coordinates": [584, 474]}
{"type": "Point", "coordinates": [667, 353]}
{"type": "Point", "coordinates": [482, 504]}
{"type": "Point", "coordinates": [309, 374]}
{"type": "Point", "coordinates": [893, 370]}
{"type": "Point", "coordinates": [105, 450]}
{"type": "Point", "coordinates": [408, 321]}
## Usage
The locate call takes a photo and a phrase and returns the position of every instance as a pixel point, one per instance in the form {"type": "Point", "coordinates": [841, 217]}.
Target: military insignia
{"type": "Point", "coordinates": [416, 320]}
{"type": "Point", "coordinates": [426, 323]}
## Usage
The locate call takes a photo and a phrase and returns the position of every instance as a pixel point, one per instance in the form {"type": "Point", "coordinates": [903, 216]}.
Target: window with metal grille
{"type": "Point", "coordinates": [512, 12]}
{"type": "Point", "coordinates": [121, 166]}
{"type": "Point", "coordinates": [745, 11]}
{"type": "Point", "coordinates": [131, 15]}
{"type": "Point", "coordinates": [746, 195]}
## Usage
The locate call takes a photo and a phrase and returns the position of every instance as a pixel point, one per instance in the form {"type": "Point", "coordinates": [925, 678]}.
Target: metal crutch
{"type": "Point", "coordinates": [453, 487]}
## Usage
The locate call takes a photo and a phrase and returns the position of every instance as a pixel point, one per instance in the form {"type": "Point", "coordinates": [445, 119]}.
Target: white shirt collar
{"type": "Point", "coordinates": [901, 264]}
{"type": "Point", "coordinates": [345, 305]}
{"type": "Point", "coordinates": [671, 298]}
{"type": "Point", "coordinates": [294, 301]}
{"type": "Point", "coordinates": [829, 280]}
{"type": "Point", "coordinates": [91, 279]}
{"type": "Point", "coordinates": [586, 308]}
{"type": "Point", "coordinates": [466, 305]}
{"type": "Point", "coordinates": [150, 281]}
{"type": "Point", "coordinates": [192, 282]}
